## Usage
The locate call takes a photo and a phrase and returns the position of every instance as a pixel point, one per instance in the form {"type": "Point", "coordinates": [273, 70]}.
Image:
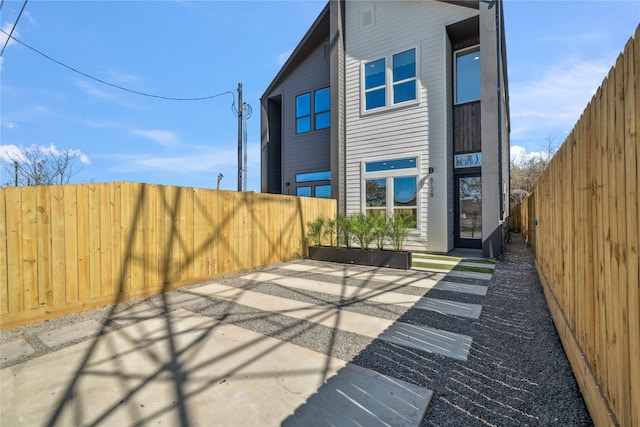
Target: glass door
{"type": "Point", "coordinates": [468, 212]}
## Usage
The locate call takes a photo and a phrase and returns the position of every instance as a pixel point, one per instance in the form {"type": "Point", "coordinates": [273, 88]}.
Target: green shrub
{"type": "Point", "coordinates": [344, 232]}
{"type": "Point", "coordinates": [362, 229]}
{"type": "Point", "coordinates": [315, 230]}
{"type": "Point", "coordinates": [380, 226]}
{"type": "Point", "coordinates": [330, 231]}
{"type": "Point", "coordinates": [398, 229]}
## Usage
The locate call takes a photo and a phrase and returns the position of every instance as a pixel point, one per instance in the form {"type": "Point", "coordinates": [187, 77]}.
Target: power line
{"type": "Point", "coordinates": [170, 98]}
{"type": "Point", "coordinates": [12, 28]}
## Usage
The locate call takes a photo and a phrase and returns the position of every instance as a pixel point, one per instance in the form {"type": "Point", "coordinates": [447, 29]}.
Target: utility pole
{"type": "Point", "coordinates": [244, 146]}
{"type": "Point", "coordinates": [240, 114]}
{"type": "Point", "coordinates": [220, 176]}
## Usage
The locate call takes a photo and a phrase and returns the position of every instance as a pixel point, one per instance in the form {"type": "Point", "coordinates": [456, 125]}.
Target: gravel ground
{"type": "Point", "coordinates": [516, 374]}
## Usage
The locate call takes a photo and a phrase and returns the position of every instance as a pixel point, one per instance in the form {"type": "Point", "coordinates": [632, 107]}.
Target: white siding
{"type": "Point", "coordinates": [414, 130]}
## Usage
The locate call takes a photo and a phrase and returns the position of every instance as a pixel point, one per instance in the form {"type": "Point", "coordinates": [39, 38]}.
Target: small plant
{"type": "Point", "coordinates": [398, 229]}
{"type": "Point", "coordinates": [344, 231]}
{"type": "Point", "coordinates": [315, 230]}
{"type": "Point", "coordinates": [380, 227]}
{"type": "Point", "coordinates": [362, 229]}
{"type": "Point", "coordinates": [330, 231]}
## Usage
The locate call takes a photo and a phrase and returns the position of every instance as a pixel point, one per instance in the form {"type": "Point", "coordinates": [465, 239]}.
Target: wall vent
{"type": "Point", "coordinates": [367, 17]}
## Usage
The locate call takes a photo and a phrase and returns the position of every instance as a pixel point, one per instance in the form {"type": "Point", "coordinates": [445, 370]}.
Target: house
{"type": "Point", "coordinates": [398, 108]}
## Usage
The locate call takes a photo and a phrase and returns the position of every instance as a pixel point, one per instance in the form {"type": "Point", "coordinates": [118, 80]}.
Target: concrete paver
{"type": "Point", "coordinates": [429, 339]}
{"type": "Point", "coordinates": [176, 367]}
{"type": "Point", "coordinates": [463, 288]}
{"type": "Point", "coordinates": [454, 308]}
{"type": "Point", "coordinates": [361, 397]}
{"type": "Point", "coordinates": [70, 333]}
{"type": "Point", "coordinates": [329, 316]}
{"type": "Point", "coordinates": [136, 312]}
{"type": "Point", "coordinates": [344, 291]}
{"type": "Point", "coordinates": [15, 349]}
{"type": "Point", "coordinates": [454, 273]}
{"type": "Point", "coordinates": [180, 369]}
{"type": "Point", "coordinates": [375, 275]}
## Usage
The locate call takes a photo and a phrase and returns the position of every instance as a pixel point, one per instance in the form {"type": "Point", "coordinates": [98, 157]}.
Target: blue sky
{"type": "Point", "coordinates": [558, 54]}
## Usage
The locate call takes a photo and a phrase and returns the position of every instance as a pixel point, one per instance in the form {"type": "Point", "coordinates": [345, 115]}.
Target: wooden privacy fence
{"type": "Point", "coordinates": [65, 249]}
{"type": "Point", "coordinates": [586, 244]}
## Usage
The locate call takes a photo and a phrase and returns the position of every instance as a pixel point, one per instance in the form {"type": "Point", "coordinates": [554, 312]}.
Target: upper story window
{"type": "Point", "coordinates": [391, 80]}
{"type": "Point", "coordinates": [321, 111]}
{"type": "Point", "coordinates": [303, 113]}
{"type": "Point", "coordinates": [467, 73]}
{"type": "Point", "coordinates": [322, 106]}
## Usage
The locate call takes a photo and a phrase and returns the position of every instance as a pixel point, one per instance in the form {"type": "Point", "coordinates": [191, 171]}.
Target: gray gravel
{"type": "Point", "coordinates": [516, 374]}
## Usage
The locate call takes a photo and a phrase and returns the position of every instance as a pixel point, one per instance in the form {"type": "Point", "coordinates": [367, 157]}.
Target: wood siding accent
{"type": "Point", "coordinates": [583, 221]}
{"type": "Point", "coordinates": [466, 128]}
{"type": "Point", "coordinates": [67, 249]}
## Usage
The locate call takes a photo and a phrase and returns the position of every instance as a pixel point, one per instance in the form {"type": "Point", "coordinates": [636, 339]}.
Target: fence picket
{"type": "Point", "coordinates": [587, 244]}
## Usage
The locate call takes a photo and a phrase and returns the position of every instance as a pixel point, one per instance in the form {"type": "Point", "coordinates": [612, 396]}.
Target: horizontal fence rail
{"type": "Point", "coordinates": [70, 248]}
{"type": "Point", "coordinates": [583, 222]}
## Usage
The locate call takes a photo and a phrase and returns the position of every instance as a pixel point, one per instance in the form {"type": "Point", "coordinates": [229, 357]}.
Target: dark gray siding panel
{"type": "Point", "coordinates": [307, 152]}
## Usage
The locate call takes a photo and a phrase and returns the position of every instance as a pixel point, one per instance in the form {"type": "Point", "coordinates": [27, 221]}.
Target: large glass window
{"type": "Point", "coordinates": [391, 189]}
{"type": "Point", "coordinates": [467, 75]}
{"type": "Point", "coordinates": [322, 106]}
{"type": "Point", "coordinates": [391, 80]}
{"type": "Point", "coordinates": [405, 199]}
{"type": "Point", "coordinates": [303, 113]}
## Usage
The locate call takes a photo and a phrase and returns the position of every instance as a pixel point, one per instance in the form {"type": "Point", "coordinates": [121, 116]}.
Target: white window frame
{"type": "Point", "coordinates": [389, 83]}
{"type": "Point", "coordinates": [389, 175]}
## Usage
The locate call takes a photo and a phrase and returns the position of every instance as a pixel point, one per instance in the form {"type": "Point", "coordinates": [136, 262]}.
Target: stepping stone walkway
{"type": "Point", "coordinates": [266, 312]}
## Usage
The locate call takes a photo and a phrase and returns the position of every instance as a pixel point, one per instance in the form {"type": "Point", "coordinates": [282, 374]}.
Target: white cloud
{"type": "Point", "coordinates": [197, 159]}
{"type": "Point", "coordinates": [163, 137]}
{"type": "Point", "coordinates": [8, 125]}
{"type": "Point", "coordinates": [7, 29]}
{"type": "Point", "coordinates": [282, 58]}
{"type": "Point", "coordinates": [553, 102]}
{"type": "Point", "coordinates": [9, 153]}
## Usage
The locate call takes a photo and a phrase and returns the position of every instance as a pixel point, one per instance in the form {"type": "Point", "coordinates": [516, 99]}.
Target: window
{"type": "Point", "coordinates": [323, 191]}
{"type": "Point", "coordinates": [375, 84]}
{"type": "Point", "coordinates": [321, 111]}
{"type": "Point", "coordinates": [321, 108]}
{"type": "Point", "coordinates": [303, 191]}
{"type": "Point", "coordinates": [391, 188]}
{"type": "Point", "coordinates": [313, 176]}
{"type": "Point", "coordinates": [322, 187]}
{"type": "Point", "coordinates": [404, 76]}
{"type": "Point", "coordinates": [303, 113]}
{"type": "Point", "coordinates": [467, 75]}
{"type": "Point", "coordinates": [386, 87]}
